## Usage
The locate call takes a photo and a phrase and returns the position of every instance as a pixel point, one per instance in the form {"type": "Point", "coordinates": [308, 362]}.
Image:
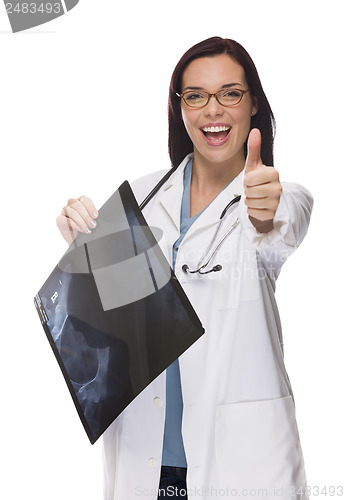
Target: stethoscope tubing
{"type": "Point", "coordinates": [157, 188]}
{"type": "Point", "coordinates": [218, 267]}
{"type": "Point", "coordinates": [200, 267]}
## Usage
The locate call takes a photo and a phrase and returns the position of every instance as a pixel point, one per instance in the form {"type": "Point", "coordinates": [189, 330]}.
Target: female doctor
{"type": "Point", "coordinates": [220, 422]}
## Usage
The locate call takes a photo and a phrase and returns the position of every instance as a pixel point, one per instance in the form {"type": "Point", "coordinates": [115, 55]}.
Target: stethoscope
{"type": "Point", "coordinates": [201, 265]}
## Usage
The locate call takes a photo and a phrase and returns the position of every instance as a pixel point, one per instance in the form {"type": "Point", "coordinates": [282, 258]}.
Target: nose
{"type": "Point", "coordinates": [213, 107]}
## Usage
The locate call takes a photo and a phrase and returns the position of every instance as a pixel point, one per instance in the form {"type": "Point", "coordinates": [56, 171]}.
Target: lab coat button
{"type": "Point", "coordinates": [152, 462]}
{"type": "Point", "coordinates": [158, 402]}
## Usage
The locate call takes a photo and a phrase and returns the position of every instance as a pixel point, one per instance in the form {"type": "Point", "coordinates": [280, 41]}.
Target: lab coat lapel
{"type": "Point", "coordinates": [170, 196]}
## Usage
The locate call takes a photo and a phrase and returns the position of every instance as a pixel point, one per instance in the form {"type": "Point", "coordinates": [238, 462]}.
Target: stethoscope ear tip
{"type": "Point", "coordinates": [214, 269]}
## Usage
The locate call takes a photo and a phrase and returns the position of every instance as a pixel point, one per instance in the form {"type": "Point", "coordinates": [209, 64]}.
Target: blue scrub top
{"type": "Point", "coordinates": [173, 449]}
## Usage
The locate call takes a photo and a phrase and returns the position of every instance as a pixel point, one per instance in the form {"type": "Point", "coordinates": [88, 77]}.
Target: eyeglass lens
{"type": "Point", "coordinates": [197, 99]}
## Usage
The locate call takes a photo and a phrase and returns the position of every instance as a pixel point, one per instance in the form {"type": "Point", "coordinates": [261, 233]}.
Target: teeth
{"type": "Point", "coordinates": [216, 129]}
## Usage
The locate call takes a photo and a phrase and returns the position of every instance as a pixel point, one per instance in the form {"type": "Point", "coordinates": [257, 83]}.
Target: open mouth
{"type": "Point", "coordinates": [216, 135]}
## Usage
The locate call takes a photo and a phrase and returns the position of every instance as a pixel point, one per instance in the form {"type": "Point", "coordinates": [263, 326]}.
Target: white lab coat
{"type": "Point", "coordinates": [239, 427]}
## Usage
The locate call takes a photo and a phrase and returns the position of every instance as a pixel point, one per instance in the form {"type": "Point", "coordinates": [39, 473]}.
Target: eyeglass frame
{"type": "Point", "coordinates": [212, 95]}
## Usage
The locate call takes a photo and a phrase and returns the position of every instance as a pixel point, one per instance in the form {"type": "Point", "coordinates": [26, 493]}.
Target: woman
{"type": "Point", "coordinates": [220, 421]}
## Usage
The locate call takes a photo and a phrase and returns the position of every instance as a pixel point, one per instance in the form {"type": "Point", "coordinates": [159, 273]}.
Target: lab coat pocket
{"type": "Point", "coordinates": [258, 449]}
{"type": "Point", "coordinates": [239, 280]}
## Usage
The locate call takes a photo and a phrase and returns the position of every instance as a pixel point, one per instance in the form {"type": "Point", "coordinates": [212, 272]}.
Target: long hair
{"type": "Point", "coordinates": [179, 142]}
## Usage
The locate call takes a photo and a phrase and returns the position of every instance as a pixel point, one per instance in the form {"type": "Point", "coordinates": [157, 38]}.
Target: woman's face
{"type": "Point", "coordinates": [224, 146]}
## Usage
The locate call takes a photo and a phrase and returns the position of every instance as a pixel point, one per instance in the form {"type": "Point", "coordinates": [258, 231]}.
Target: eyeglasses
{"type": "Point", "coordinates": [200, 98]}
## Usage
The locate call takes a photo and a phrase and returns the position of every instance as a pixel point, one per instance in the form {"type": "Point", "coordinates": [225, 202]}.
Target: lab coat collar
{"type": "Point", "coordinates": [170, 197]}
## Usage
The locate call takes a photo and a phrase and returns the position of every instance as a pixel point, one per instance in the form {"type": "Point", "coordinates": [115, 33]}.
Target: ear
{"type": "Point", "coordinates": [255, 106]}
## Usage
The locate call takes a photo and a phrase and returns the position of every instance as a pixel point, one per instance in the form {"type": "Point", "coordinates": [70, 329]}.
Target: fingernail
{"type": "Point", "coordinates": [92, 223]}
{"type": "Point", "coordinates": [87, 230]}
{"type": "Point", "coordinates": [94, 214]}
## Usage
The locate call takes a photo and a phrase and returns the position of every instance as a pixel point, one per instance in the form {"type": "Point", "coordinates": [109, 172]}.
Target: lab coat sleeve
{"type": "Point", "coordinates": [290, 226]}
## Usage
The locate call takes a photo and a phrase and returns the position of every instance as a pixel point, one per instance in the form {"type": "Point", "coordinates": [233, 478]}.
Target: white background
{"type": "Point", "coordinates": [67, 129]}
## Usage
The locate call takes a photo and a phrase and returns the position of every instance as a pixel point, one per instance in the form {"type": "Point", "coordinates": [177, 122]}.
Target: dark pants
{"type": "Point", "coordinates": [173, 483]}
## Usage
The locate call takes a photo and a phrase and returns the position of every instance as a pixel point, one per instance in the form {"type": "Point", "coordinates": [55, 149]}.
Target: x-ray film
{"type": "Point", "coordinates": [114, 313]}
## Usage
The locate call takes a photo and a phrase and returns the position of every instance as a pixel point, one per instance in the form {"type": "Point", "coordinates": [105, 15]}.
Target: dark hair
{"type": "Point", "coordinates": [180, 143]}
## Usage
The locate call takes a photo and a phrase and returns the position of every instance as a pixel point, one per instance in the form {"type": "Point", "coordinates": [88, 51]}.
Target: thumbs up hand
{"type": "Point", "coordinates": [262, 188]}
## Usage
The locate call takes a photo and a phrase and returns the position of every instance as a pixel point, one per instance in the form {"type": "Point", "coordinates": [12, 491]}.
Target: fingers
{"type": "Point", "coordinates": [261, 182]}
{"type": "Point", "coordinates": [78, 212]}
{"type": "Point", "coordinates": [68, 228]}
{"type": "Point", "coordinates": [262, 190]}
{"type": "Point", "coordinates": [261, 214]}
{"type": "Point", "coordinates": [262, 209]}
{"type": "Point", "coordinates": [77, 216]}
{"type": "Point", "coordinates": [262, 203]}
{"type": "Point", "coordinates": [89, 205]}
{"type": "Point", "coordinates": [262, 187]}
{"type": "Point", "coordinates": [253, 154]}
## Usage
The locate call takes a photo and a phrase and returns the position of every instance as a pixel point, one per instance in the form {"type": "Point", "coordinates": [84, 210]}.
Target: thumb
{"type": "Point", "coordinates": [253, 146]}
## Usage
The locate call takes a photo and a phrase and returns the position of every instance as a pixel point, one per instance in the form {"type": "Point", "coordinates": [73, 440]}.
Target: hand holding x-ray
{"type": "Point", "coordinates": [77, 216]}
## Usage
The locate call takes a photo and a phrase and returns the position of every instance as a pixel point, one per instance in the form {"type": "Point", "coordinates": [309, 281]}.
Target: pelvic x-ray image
{"type": "Point", "coordinates": [114, 313]}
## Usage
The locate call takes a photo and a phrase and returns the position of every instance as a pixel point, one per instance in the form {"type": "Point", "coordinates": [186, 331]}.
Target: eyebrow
{"type": "Point", "coordinates": [226, 86]}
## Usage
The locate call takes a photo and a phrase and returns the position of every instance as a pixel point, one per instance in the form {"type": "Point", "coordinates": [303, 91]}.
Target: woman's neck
{"type": "Point", "coordinates": [210, 178]}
